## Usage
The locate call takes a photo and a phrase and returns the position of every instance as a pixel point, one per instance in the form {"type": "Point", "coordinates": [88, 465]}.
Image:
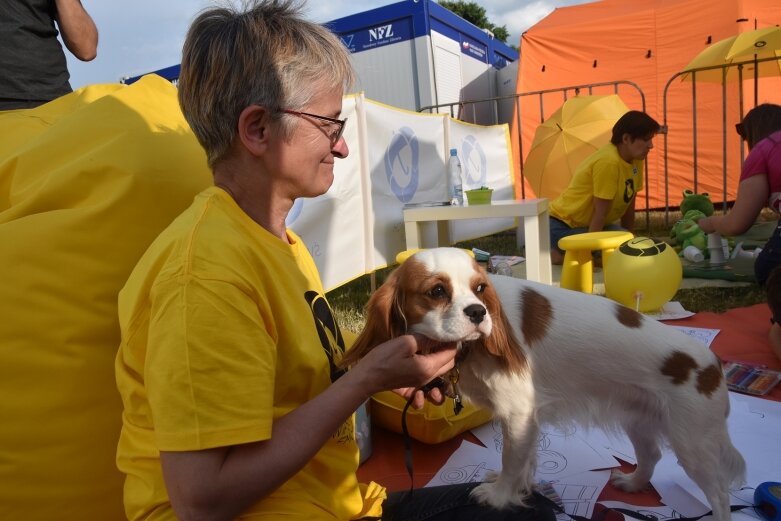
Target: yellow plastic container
{"type": "Point", "coordinates": [432, 424]}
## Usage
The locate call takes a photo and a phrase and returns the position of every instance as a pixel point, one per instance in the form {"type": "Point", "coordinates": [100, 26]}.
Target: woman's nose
{"type": "Point", "coordinates": [340, 149]}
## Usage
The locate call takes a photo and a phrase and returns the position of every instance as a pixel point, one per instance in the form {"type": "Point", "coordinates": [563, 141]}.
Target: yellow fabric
{"type": "Point", "coordinates": [224, 330]}
{"type": "Point", "coordinates": [373, 496]}
{"type": "Point", "coordinates": [86, 183]}
{"type": "Point", "coordinates": [431, 424]}
{"type": "Point", "coordinates": [604, 175]}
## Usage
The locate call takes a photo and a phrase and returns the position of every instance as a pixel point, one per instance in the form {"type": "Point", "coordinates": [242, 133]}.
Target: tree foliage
{"type": "Point", "coordinates": [474, 13]}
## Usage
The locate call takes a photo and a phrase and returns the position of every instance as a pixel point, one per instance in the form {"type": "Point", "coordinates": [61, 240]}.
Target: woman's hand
{"type": "Point", "coordinates": [435, 395]}
{"type": "Point", "coordinates": [406, 363]}
{"type": "Point", "coordinates": [708, 224]}
{"type": "Point", "coordinates": [753, 193]}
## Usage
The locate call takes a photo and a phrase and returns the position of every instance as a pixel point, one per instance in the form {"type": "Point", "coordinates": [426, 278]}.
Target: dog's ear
{"type": "Point", "coordinates": [502, 342]}
{"type": "Point", "coordinates": [384, 320]}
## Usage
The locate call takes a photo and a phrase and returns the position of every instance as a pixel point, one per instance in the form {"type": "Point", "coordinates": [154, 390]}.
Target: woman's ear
{"type": "Point", "coordinates": [253, 128]}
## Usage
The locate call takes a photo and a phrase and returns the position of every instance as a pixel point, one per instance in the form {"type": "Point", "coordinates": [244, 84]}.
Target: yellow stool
{"type": "Point", "coordinates": [406, 254]}
{"type": "Point", "coordinates": [577, 269]}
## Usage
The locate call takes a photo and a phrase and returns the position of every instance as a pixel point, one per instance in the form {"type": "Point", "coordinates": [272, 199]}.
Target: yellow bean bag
{"type": "Point", "coordinates": [86, 183]}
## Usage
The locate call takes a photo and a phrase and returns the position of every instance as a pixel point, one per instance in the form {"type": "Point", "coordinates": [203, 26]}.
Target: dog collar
{"type": "Point", "coordinates": [463, 351]}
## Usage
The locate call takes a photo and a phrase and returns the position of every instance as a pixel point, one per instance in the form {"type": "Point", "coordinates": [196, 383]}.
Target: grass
{"type": "Point", "coordinates": [348, 301]}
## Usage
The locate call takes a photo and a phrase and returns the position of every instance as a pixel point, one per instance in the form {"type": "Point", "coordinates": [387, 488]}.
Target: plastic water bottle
{"type": "Point", "coordinates": [455, 187]}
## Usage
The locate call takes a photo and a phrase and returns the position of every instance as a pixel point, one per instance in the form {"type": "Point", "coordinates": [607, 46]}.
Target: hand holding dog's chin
{"type": "Point", "coordinates": [399, 365]}
{"type": "Point", "coordinates": [435, 396]}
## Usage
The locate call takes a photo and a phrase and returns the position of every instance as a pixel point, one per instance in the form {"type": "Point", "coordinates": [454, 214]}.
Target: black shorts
{"type": "Point", "coordinates": [769, 257]}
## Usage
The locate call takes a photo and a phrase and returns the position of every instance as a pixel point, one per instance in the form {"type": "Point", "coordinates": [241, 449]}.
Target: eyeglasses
{"type": "Point", "coordinates": [335, 135]}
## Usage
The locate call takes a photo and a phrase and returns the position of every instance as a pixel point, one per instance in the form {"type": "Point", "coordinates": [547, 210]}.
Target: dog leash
{"type": "Point", "coordinates": [407, 443]}
{"type": "Point", "coordinates": [453, 376]}
{"type": "Point", "coordinates": [436, 383]}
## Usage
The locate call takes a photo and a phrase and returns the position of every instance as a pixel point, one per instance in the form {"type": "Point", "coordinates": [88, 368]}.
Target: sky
{"type": "Point", "coordinates": [139, 36]}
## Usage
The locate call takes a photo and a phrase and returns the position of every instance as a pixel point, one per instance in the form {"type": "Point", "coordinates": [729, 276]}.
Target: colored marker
{"type": "Point", "coordinates": [748, 380]}
{"type": "Point", "coordinates": [741, 375]}
{"type": "Point", "coordinates": [761, 383]}
{"type": "Point", "coordinates": [733, 371]}
{"type": "Point", "coordinates": [729, 370]}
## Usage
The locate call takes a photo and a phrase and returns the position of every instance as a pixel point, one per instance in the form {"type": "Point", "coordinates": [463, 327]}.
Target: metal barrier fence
{"type": "Point", "coordinates": [724, 70]}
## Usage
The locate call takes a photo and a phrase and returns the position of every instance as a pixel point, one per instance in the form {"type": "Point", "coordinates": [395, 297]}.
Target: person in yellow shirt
{"type": "Point", "coordinates": [602, 191]}
{"type": "Point", "coordinates": [234, 405]}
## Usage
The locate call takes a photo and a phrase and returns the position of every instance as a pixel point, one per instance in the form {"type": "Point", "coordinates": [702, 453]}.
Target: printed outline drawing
{"type": "Point", "coordinates": [464, 474]}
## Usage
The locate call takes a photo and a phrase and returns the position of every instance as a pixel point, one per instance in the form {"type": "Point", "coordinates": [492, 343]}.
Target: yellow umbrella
{"type": "Point", "coordinates": [578, 128]}
{"type": "Point", "coordinates": [758, 44]}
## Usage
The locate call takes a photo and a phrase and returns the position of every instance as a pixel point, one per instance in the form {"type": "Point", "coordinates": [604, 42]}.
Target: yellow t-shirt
{"type": "Point", "coordinates": [603, 175]}
{"type": "Point", "coordinates": [225, 329]}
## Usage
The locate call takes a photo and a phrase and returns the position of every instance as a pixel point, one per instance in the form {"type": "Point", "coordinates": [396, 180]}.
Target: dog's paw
{"type": "Point", "coordinates": [490, 476]}
{"type": "Point", "coordinates": [495, 496]}
{"type": "Point", "coordinates": [627, 481]}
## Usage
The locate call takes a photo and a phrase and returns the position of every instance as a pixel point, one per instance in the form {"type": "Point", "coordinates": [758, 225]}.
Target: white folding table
{"type": "Point", "coordinates": [532, 212]}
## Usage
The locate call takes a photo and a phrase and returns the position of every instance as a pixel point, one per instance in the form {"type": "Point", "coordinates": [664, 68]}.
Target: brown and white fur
{"type": "Point", "coordinates": [535, 354]}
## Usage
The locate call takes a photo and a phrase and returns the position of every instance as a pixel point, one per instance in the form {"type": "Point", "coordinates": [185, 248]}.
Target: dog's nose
{"type": "Point", "coordinates": [475, 312]}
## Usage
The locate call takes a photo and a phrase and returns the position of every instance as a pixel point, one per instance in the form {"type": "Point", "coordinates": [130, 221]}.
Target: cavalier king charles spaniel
{"type": "Point", "coordinates": [533, 354]}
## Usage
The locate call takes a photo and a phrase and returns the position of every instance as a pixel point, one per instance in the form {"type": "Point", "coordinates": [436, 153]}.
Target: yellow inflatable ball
{"type": "Point", "coordinates": [642, 274]}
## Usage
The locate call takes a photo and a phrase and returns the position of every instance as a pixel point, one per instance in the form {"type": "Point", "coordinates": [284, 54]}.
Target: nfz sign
{"type": "Point", "coordinates": [377, 36]}
{"type": "Point", "coordinates": [381, 32]}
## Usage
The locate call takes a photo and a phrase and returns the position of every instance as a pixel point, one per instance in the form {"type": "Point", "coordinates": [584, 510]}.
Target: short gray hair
{"type": "Point", "coordinates": [263, 53]}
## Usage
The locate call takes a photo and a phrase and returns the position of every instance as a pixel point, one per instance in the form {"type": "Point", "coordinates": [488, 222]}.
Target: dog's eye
{"type": "Point", "coordinates": [480, 288]}
{"type": "Point", "coordinates": [437, 292]}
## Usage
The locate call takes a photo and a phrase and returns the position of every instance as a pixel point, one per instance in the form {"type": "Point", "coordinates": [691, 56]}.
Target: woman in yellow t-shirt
{"type": "Point", "coordinates": [604, 186]}
{"type": "Point", "coordinates": [234, 406]}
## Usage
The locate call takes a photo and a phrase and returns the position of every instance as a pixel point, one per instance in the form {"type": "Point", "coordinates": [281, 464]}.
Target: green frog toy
{"type": "Point", "coordinates": [700, 202]}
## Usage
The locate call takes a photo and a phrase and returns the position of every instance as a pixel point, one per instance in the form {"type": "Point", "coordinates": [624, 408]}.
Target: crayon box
{"type": "Point", "coordinates": [751, 379]}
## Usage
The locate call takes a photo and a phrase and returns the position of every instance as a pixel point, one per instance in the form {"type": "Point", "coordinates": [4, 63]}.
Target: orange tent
{"type": "Point", "coordinates": [647, 44]}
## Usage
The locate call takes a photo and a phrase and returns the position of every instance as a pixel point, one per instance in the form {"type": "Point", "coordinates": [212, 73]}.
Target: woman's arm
{"type": "Point", "coordinates": [753, 194]}
{"type": "Point", "coordinates": [221, 483]}
{"type": "Point", "coordinates": [78, 29]}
